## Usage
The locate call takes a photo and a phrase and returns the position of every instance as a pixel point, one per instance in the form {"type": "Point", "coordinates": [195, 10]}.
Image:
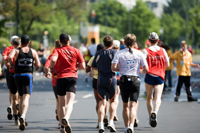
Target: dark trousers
{"type": "Point", "coordinates": [179, 83]}
{"type": "Point", "coordinates": [169, 78]}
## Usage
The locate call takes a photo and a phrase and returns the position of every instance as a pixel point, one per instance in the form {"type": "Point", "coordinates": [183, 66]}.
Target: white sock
{"type": "Point", "coordinates": [131, 125]}
{"type": "Point", "coordinates": [100, 124]}
{"type": "Point", "coordinates": [23, 116]}
{"type": "Point", "coordinates": [126, 128]}
{"type": "Point", "coordinates": [10, 106]}
{"type": "Point", "coordinates": [155, 112]}
{"type": "Point", "coordinates": [111, 121]}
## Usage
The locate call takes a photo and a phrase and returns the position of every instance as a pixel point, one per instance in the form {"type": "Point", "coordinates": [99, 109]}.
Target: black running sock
{"type": "Point", "coordinates": [16, 117]}
{"type": "Point", "coordinates": [62, 127]}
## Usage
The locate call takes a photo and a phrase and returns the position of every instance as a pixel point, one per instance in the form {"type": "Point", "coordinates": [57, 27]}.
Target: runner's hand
{"type": "Point", "coordinates": [48, 75]}
{"type": "Point", "coordinates": [198, 66]}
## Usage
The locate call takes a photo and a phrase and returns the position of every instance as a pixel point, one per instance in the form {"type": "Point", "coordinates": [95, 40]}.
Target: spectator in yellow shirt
{"type": "Point", "coordinates": [184, 61]}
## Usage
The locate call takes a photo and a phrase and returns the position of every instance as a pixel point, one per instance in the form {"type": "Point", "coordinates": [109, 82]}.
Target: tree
{"type": "Point", "coordinates": [143, 21]}
{"type": "Point", "coordinates": [174, 28]}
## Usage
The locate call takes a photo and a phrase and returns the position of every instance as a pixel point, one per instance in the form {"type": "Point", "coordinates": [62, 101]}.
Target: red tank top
{"type": "Point", "coordinates": [156, 62]}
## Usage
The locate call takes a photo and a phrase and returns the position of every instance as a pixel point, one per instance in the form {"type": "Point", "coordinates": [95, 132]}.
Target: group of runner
{"type": "Point", "coordinates": [120, 75]}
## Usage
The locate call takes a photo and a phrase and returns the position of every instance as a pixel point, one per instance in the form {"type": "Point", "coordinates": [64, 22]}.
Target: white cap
{"type": "Point", "coordinates": [116, 44]}
{"type": "Point", "coordinates": [13, 37]}
{"type": "Point", "coordinates": [70, 38]}
{"type": "Point", "coordinates": [153, 36]}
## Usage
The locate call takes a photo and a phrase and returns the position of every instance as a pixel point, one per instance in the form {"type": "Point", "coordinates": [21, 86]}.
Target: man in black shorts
{"type": "Point", "coordinates": [24, 57]}
{"type": "Point", "coordinates": [107, 82]}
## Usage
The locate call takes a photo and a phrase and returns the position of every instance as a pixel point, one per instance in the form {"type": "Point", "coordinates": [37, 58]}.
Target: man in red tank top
{"type": "Point", "coordinates": [157, 59]}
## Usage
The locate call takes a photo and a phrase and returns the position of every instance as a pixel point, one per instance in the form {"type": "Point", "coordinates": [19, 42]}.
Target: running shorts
{"type": "Point", "coordinates": [94, 83]}
{"type": "Point", "coordinates": [153, 80]}
{"type": "Point", "coordinates": [107, 84]}
{"type": "Point", "coordinates": [24, 83]}
{"type": "Point", "coordinates": [130, 88]}
{"type": "Point", "coordinates": [66, 85]}
{"type": "Point", "coordinates": [12, 85]}
{"type": "Point", "coordinates": [7, 77]}
{"type": "Point", "coordinates": [55, 91]}
{"type": "Point", "coordinates": [118, 82]}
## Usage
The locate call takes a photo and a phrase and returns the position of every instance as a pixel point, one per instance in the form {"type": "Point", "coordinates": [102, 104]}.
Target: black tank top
{"type": "Point", "coordinates": [24, 62]}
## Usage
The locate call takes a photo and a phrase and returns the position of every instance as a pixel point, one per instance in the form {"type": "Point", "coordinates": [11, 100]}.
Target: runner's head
{"type": "Point", "coordinates": [64, 39]}
{"type": "Point", "coordinates": [121, 41]}
{"type": "Point", "coordinates": [58, 44]}
{"type": "Point", "coordinates": [25, 40]}
{"type": "Point", "coordinates": [93, 40]}
{"type": "Point", "coordinates": [12, 38]}
{"type": "Point", "coordinates": [116, 45]}
{"type": "Point", "coordinates": [130, 40]}
{"type": "Point", "coordinates": [100, 46]}
{"type": "Point", "coordinates": [183, 45]}
{"type": "Point", "coordinates": [16, 42]}
{"type": "Point", "coordinates": [108, 41]}
{"type": "Point", "coordinates": [153, 38]}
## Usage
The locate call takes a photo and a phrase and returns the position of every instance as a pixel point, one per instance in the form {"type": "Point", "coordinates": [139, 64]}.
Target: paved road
{"type": "Point", "coordinates": [181, 117]}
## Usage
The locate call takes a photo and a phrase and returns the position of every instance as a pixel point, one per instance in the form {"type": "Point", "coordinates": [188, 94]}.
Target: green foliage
{"type": "Point", "coordinates": [143, 22]}
{"type": "Point", "coordinates": [174, 27]}
{"type": "Point", "coordinates": [4, 41]}
{"type": "Point", "coordinates": [35, 44]}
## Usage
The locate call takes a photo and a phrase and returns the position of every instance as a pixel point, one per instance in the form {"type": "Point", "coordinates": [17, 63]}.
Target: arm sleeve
{"type": "Point", "coordinates": [174, 56]}
{"type": "Point", "coordinates": [145, 53]}
{"type": "Point", "coordinates": [55, 53]}
{"type": "Point", "coordinates": [166, 56]}
{"type": "Point", "coordinates": [143, 61]}
{"type": "Point", "coordinates": [5, 52]}
{"type": "Point", "coordinates": [48, 61]}
{"type": "Point", "coordinates": [90, 61]}
{"type": "Point", "coordinates": [94, 64]}
{"type": "Point", "coordinates": [116, 58]}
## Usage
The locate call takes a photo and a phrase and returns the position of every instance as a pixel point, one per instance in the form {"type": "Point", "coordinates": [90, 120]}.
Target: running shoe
{"type": "Point", "coordinates": [176, 99]}
{"type": "Point", "coordinates": [10, 113]}
{"type": "Point", "coordinates": [67, 126]}
{"type": "Point", "coordinates": [101, 129]}
{"type": "Point", "coordinates": [136, 122]}
{"type": "Point", "coordinates": [111, 127]}
{"type": "Point", "coordinates": [130, 130]}
{"type": "Point", "coordinates": [62, 130]}
{"type": "Point", "coordinates": [105, 120]}
{"type": "Point", "coordinates": [115, 118]}
{"type": "Point", "coordinates": [153, 120]}
{"type": "Point", "coordinates": [97, 125]}
{"type": "Point", "coordinates": [22, 124]}
{"type": "Point", "coordinates": [56, 115]}
{"type": "Point", "coordinates": [59, 125]}
{"type": "Point", "coordinates": [17, 107]}
{"type": "Point", "coordinates": [17, 123]}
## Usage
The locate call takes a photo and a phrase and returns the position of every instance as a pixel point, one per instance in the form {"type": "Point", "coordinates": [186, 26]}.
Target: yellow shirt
{"type": "Point", "coordinates": [90, 64]}
{"type": "Point", "coordinates": [169, 53]}
{"type": "Point", "coordinates": [52, 50]}
{"type": "Point", "coordinates": [182, 62]}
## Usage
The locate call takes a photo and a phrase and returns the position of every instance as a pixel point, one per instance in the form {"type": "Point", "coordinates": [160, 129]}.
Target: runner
{"type": "Point", "coordinates": [5, 57]}
{"type": "Point", "coordinates": [65, 60]}
{"type": "Point", "coordinates": [157, 59]}
{"type": "Point", "coordinates": [128, 62]}
{"type": "Point", "coordinates": [184, 61]}
{"type": "Point", "coordinates": [116, 46]}
{"type": "Point", "coordinates": [94, 84]}
{"type": "Point", "coordinates": [107, 82]}
{"type": "Point", "coordinates": [12, 85]}
{"type": "Point", "coordinates": [24, 57]}
{"type": "Point", "coordinates": [54, 78]}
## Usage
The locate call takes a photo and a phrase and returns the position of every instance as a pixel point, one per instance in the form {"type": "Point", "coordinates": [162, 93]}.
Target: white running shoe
{"type": "Point", "coordinates": [111, 127]}
{"type": "Point", "coordinates": [101, 129]}
{"type": "Point", "coordinates": [17, 122]}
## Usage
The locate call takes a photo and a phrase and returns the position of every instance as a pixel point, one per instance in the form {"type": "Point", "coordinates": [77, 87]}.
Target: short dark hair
{"type": "Point", "coordinates": [16, 42]}
{"type": "Point", "coordinates": [25, 39]}
{"type": "Point", "coordinates": [108, 41]}
{"type": "Point", "coordinates": [93, 40]}
{"type": "Point", "coordinates": [153, 41]}
{"type": "Point", "coordinates": [64, 38]}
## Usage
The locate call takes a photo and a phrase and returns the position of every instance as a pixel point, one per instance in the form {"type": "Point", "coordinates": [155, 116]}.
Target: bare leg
{"type": "Point", "coordinates": [10, 98]}
{"type": "Point", "coordinates": [112, 109]}
{"type": "Point", "coordinates": [107, 106]}
{"type": "Point", "coordinates": [101, 110]}
{"type": "Point", "coordinates": [133, 111]}
{"type": "Point", "coordinates": [69, 104]}
{"type": "Point", "coordinates": [125, 113]}
{"type": "Point", "coordinates": [97, 100]}
{"type": "Point", "coordinates": [158, 94]}
{"type": "Point", "coordinates": [61, 106]}
{"type": "Point", "coordinates": [25, 103]}
{"type": "Point", "coordinates": [149, 91]}
{"type": "Point", "coordinates": [15, 102]}
{"type": "Point", "coordinates": [117, 99]}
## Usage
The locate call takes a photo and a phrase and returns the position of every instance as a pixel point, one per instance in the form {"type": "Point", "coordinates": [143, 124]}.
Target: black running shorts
{"type": "Point", "coordinates": [24, 83]}
{"type": "Point", "coordinates": [66, 85]}
{"type": "Point", "coordinates": [107, 85]}
{"type": "Point", "coordinates": [12, 85]}
{"type": "Point", "coordinates": [55, 91]}
{"type": "Point", "coordinates": [7, 78]}
{"type": "Point", "coordinates": [130, 88]}
{"type": "Point", "coordinates": [94, 83]}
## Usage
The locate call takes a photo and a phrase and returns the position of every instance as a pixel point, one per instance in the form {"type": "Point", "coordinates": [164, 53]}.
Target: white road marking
{"type": "Point", "coordinates": [89, 95]}
{"type": "Point", "coordinates": [75, 102]}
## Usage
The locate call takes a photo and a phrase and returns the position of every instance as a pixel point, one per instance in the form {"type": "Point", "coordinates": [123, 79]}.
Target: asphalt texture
{"type": "Point", "coordinates": [173, 117]}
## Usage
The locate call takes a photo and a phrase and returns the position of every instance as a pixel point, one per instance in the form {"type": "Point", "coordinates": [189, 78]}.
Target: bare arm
{"type": "Point", "coordinates": [114, 67]}
{"type": "Point", "coordinates": [36, 58]}
{"type": "Point", "coordinates": [145, 69]}
{"type": "Point", "coordinates": [53, 62]}
{"type": "Point", "coordinates": [81, 65]}
{"type": "Point", "coordinates": [194, 65]}
{"type": "Point", "coordinates": [11, 56]}
{"type": "Point", "coordinates": [88, 69]}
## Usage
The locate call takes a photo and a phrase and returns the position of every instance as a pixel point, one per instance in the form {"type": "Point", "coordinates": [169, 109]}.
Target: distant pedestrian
{"type": "Point", "coordinates": [157, 59]}
{"type": "Point", "coordinates": [184, 61]}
